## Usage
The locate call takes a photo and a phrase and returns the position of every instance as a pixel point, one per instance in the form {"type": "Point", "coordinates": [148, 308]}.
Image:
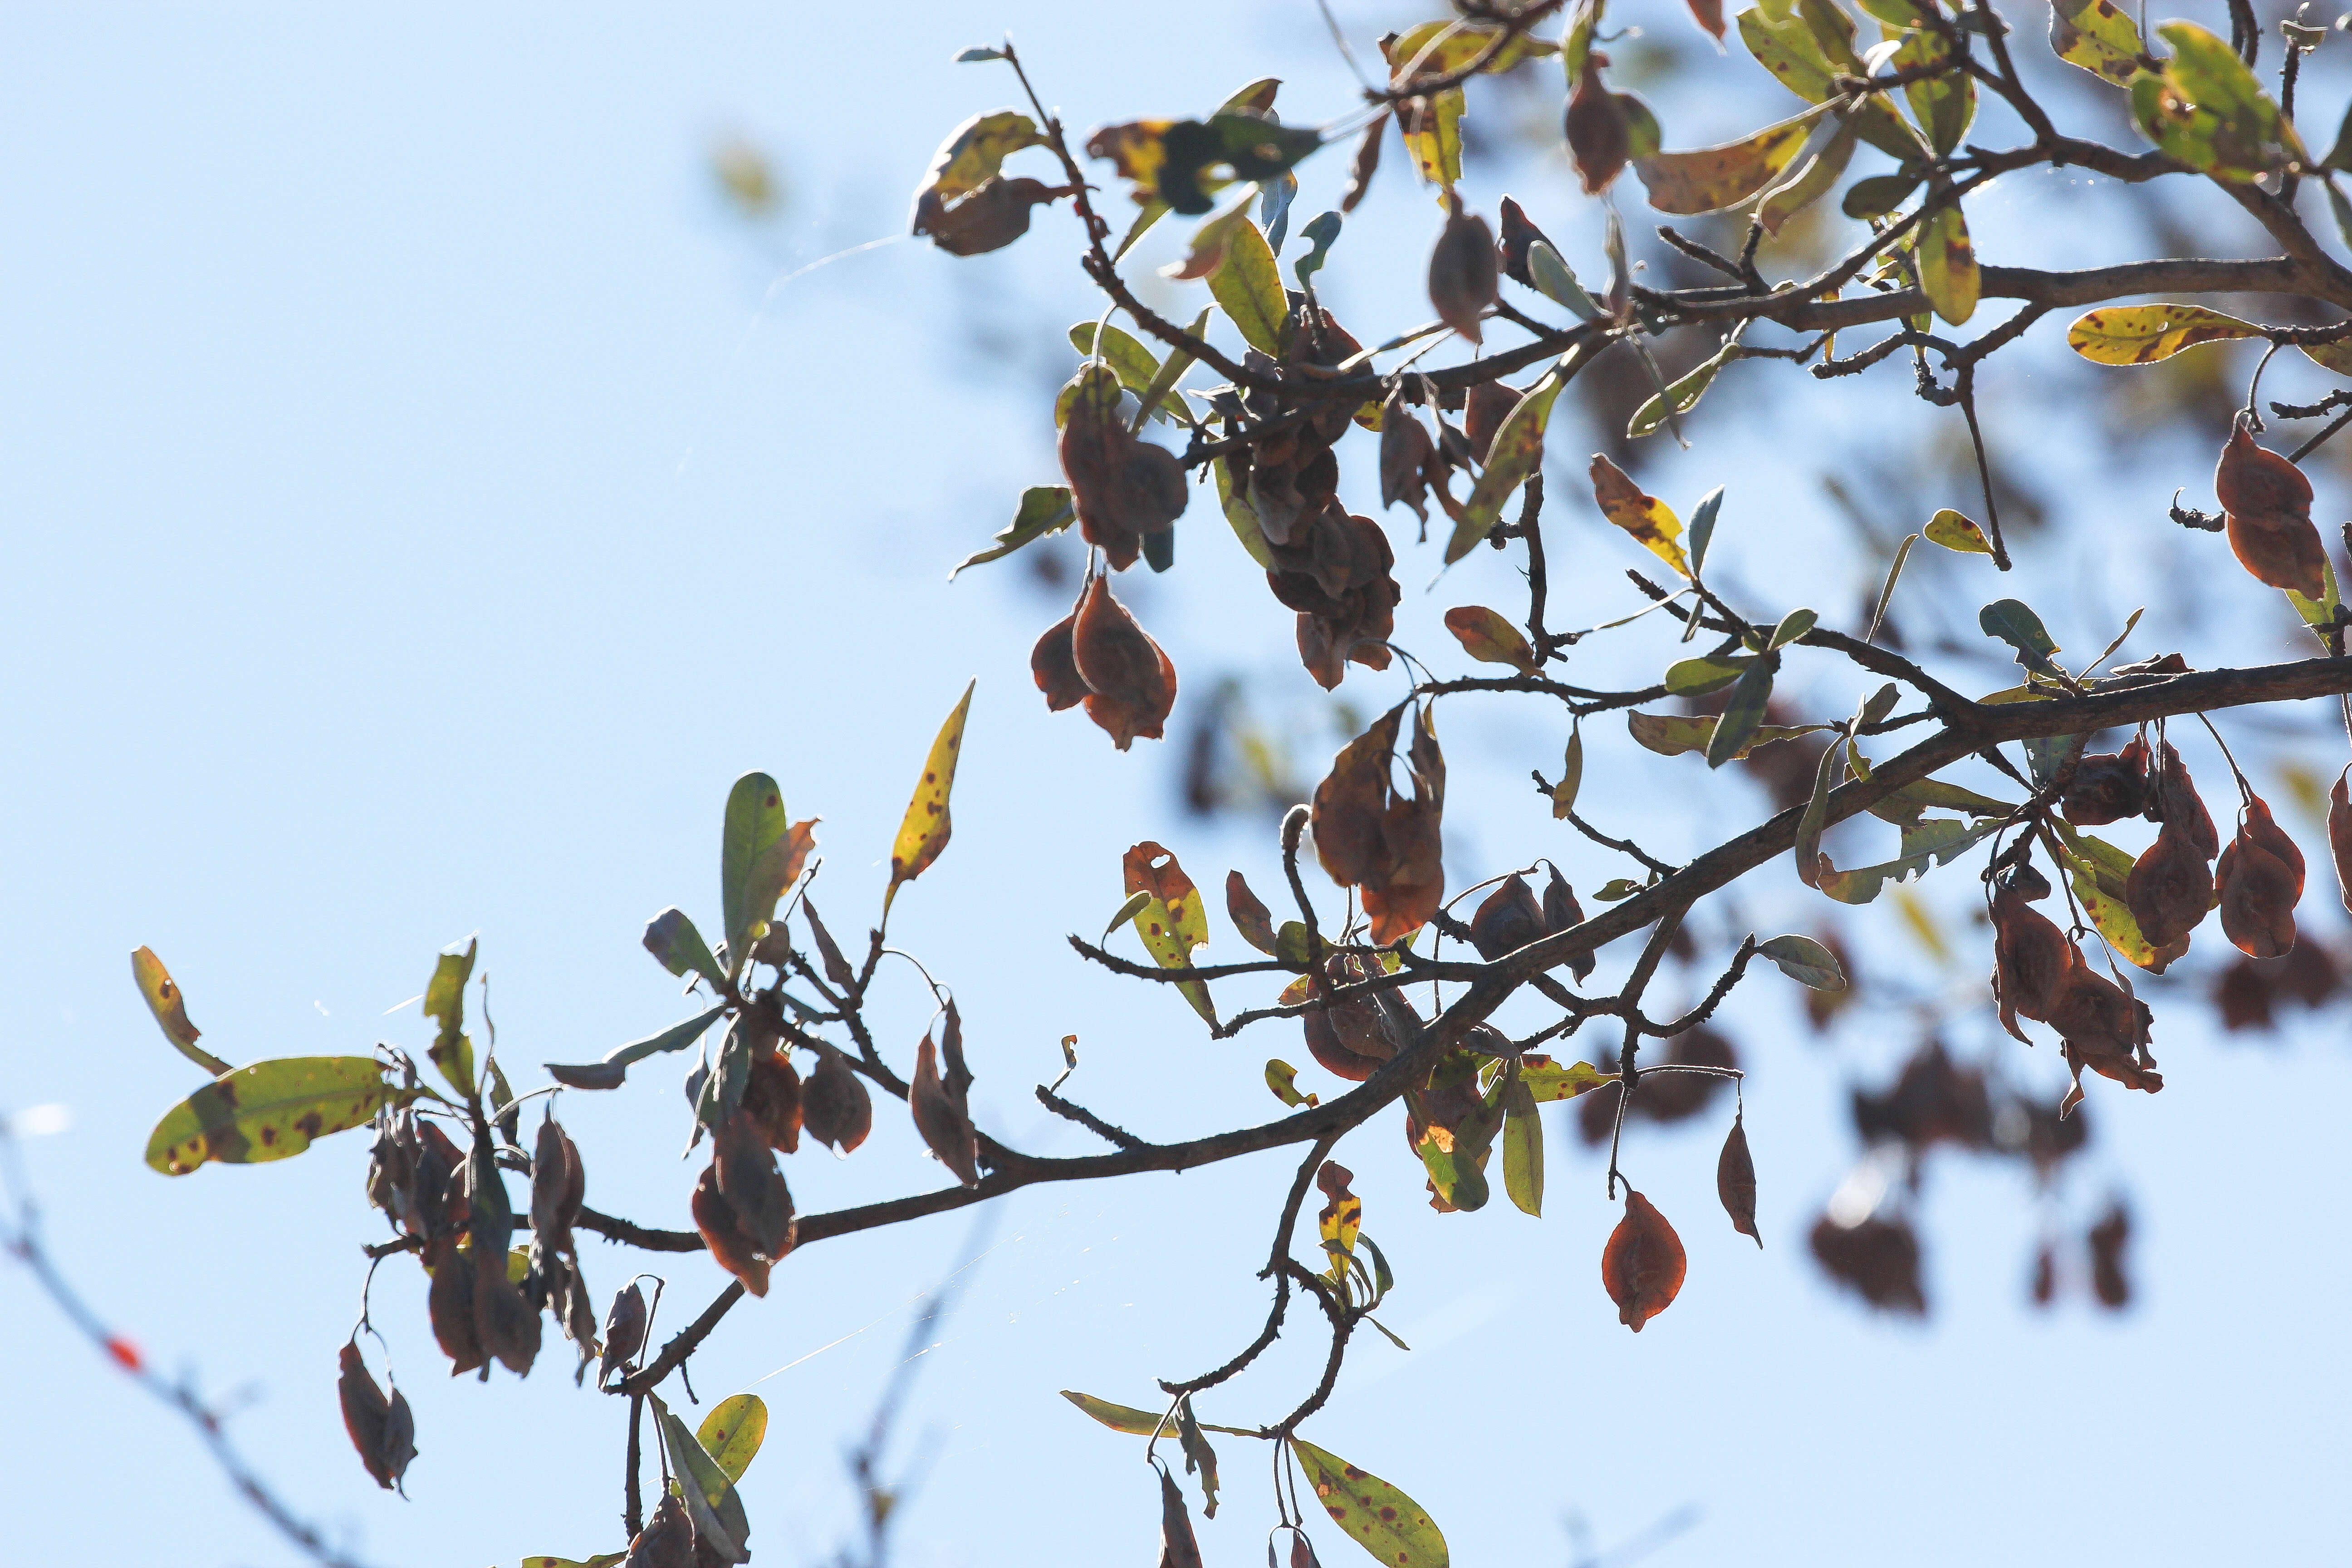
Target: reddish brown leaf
{"type": "Point", "coordinates": [2269, 505]}
{"type": "Point", "coordinates": [730, 1248]}
{"type": "Point", "coordinates": [1518, 234]}
{"type": "Point", "coordinates": [504, 1317]}
{"type": "Point", "coordinates": [773, 1096]}
{"type": "Point", "coordinates": [1483, 412]}
{"type": "Point", "coordinates": [1179, 1548]}
{"type": "Point", "coordinates": [2260, 879]}
{"type": "Point", "coordinates": [835, 1109]}
{"type": "Point", "coordinates": [2339, 836]}
{"type": "Point", "coordinates": [383, 1430]}
{"type": "Point", "coordinates": [991, 218]}
{"type": "Point", "coordinates": [2104, 1029]}
{"type": "Point", "coordinates": [559, 1183]}
{"type": "Point", "coordinates": [2108, 786]}
{"type": "Point", "coordinates": [1462, 271]}
{"type": "Point", "coordinates": [1598, 135]}
{"type": "Point", "coordinates": [1130, 684]}
{"type": "Point", "coordinates": [940, 1118]}
{"type": "Point", "coordinates": [1642, 1265]}
{"type": "Point", "coordinates": [625, 1330]}
{"type": "Point", "coordinates": [1709, 14]}
{"type": "Point", "coordinates": [1562, 912]}
{"type": "Point", "coordinates": [1405, 451]}
{"type": "Point", "coordinates": [2174, 799]}
{"type": "Point", "coordinates": [1507, 920]}
{"type": "Point", "coordinates": [1054, 666]}
{"type": "Point", "coordinates": [1735, 1181]}
{"type": "Point", "coordinates": [1352, 801]}
{"type": "Point", "coordinates": [449, 1302]}
{"type": "Point", "coordinates": [2171, 888]}
{"type": "Point", "coordinates": [1878, 1258]}
{"type": "Point", "coordinates": [1250, 916]}
{"type": "Point", "coordinates": [748, 1178]}
{"type": "Point", "coordinates": [1367, 163]}
{"type": "Point", "coordinates": [2032, 959]}
{"type": "Point", "coordinates": [666, 1540]}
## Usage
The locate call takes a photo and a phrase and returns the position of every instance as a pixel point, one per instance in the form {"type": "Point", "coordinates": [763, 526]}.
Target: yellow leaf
{"type": "Point", "coordinates": [1249, 286]}
{"type": "Point", "coordinates": [1713, 178]}
{"type": "Point", "coordinates": [1210, 240]}
{"type": "Point", "coordinates": [2143, 334]}
{"type": "Point", "coordinates": [1645, 517]}
{"type": "Point", "coordinates": [1955, 532]}
{"type": "Point", "coordinates": [171, 1010]}
{"type": "Point", "coordinates": [924, 833]}
{"type": "Point", "coordinates": [974, 153]}
{"type": "Point", "coordinates": [1948, 265]}
{"type": "Point", "coordinates": [1173, 920]}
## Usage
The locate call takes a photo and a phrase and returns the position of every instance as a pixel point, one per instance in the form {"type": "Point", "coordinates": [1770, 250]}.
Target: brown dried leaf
{"type": "Point", "coordinates": [504, 1317]}
{"type": "Point", "coordinates": [835, 1109]}
{"type": "Point", "coordinates": [449, 1302]}
{"type": "Point", "coordinates": [1642, 1265]}
{"type": "Point", "coordinates": [1518, 236]}
{"type": "Point", "coordinates": [1130, 683]}
{"type": "Point", "coordinates": [750, 1183]}
{"type": "Point", "coordinates": [730, 1248]}
{"type": "Point", "coordinates": [1054, 666]}
{"type": "Point", "coordinates": [1487, 638]}
{"type": "Point", "coordinates": [2339, 836]}
{"type": "Point", "coordinates": [2032, 959]}
{"type": "Point", "coordinates": [1483, 412]}
{"type": "Point", "coordinates": [2175, 800]}
{"type": "Point", "coordinates": [1878, 1258]}
{"type": "Point", "coordinates": [1562, 912]}
{"type": "Point", "coordinates": [559, 1185]}
{"type": "Point", "coordinates": [1507, 920]}
{"type": "Point", "coordinates": [1179, 1548]}
{"type": "Point", "coordinates": [1249, 914]}
{"type": "Point", "coordinates": [1122, 487]}
{"type": "Point", "coordinates": [772, 1095]}
{"type": "Point", "coordinates": [2108, 786]}
{"type": "Point", "coordinates": [666, 1540]}
{"type": "Point", "coordinates": [2171, 887]}
{"type": "Point", "coordinates": [1735, 1181]}
{"type": "Point", "coordinates": [1405, 453]}
{"type": "Point", "coordinates": [2261, 879]}
{"type": "Point", "coordinates": [625, 1330]}
{"type": "Point", "coordinates": [940, 1118]}
{"type": "Point", "coordinates": [1463, 273]}
{"type": "Point", "coordinates": [1599, 136]}
{"type": "Point", "coordinates": [989, 218]}
{"type": "Point", "coordinates": [384, 1431]}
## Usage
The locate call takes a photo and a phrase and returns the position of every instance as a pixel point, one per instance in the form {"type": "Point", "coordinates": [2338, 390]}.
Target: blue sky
{"type": "Point", "coordinates": [425, 497]}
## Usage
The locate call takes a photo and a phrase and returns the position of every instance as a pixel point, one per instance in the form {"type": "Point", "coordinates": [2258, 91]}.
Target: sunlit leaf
{"type": "Point", "coordinates": [673, 939]}
{"type": "Point", "coordinates": [2100, 876]}
{"type": "Point", "coordinates": [1672, 734]}
{"type": "Point", "coordinates": [445, 1002]}
{"type": "Point", "coordinates": [2143, 334]}
{"type": "Point", "coordinates": [1549, 1080]}
{"type": "Point", "coordinates": [2097, 37]}
{"type": "Point", "coordinates": [1557, 283]}
{"type": "Point", "coordinates": [1516, 453]}
{"type": "Point", "coordinates": [731, 1434]}
{"type": "Point", "coordinates": [1487, 638]}
{"type": "Point", "coordinates": [1370, 1512]}
{"type": "Point", "coordinates": [1955, 532]}
{"type": "Point", "coordinates": [924, 831]}
{"type": "Point", "coordinates": [1943, 105]}
{"type": "Point", "coordinates": [1801, 57]}
{"type": "Point", "coordinates": [1804, 961]}
{"type": "Point", "coordinates": [1682, 392]}
{"type": "Point", "coordinates": [975, 151]}
{"type": "Point", "coordinates": [1933, 842]}
{"type": "Point", "coordinates": [1523, 1150]}
{"type": "Point", "coordinates": [1713, 178]}
{"type": "Point", "coordinates": [1044, 510]}
{"type": "Point", "coordinates": [1173, 921]}
{"type": "Point", "coordinates": [1134, 364]}
{"type": "Point", "coordinates": [1118, 1417]}
{"type": "Point", "coordinates": [1948, 265]}
{"type": "Point", "coordinates": [1248, 284]}
{"type": "Point", "coordinates": [2204, 107]}
{"type": "Point", "coordinates": [1698, 677]}
{"type": "Point", "coordinates": [1645, 517]}
{"type": "Point", "coordinates": [270, 1110]}
{"type": "Point", "coordinates": [721, 1525]}
{"type": "Point", "coordinates": [1283, 1078]}
{"type": "Point", "coordinates": [1571, 777]}
{"type": "Point", "coordinates": [1815, 179]}
{"type": "Point", "coordinates": [1743, 716]}
{"type": "Point", "coordinates": [171, 1010]}
{"type": "Point", "coordinates": [1172, 370]}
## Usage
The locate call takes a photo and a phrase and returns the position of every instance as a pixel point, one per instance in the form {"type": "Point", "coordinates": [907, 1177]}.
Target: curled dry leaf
{"type": "Point", "coordinates": [2108, 786]}
{"type": "Point", "coordinates": [1179, 1548]}
{"type": "Point", "coordinates": [449, 1302]}
{"type": "Point", "coordinates": [668, 1538]}
{"type": "Point", "coordinates": [559, 1185]}
{"type": "Point", "coordinates": [2174, 799]}
{"type": "Point", "coordinates": [2269, 505]}
{"type": "Point", "coordinates": [989, 218]}
{"type": "Point", "coordinates": [1735, 1179]}
{"type": "Point", "coordinates": [382, 1429]}
{"type": "Point", "coordinates": [1562, 912]}
{"type": "Point", "coordinates": [730, 1248]}
{"type": "Point", "coordinates": [1406, 451]}
{"type": "Point", "coordinates": [1642, 1265]}
{"type": "Point", "coordinates": [1054, 666]}
{"type": "Point", "coordinates": [1385, 844]}
{"type": "Point", "coordinates": [1463, 274]}
{"type": "Point", "coordinates": [2339, 836]}
{"type": "Point", "coordinates": [940, 1117]}
{"type": "Point", "coordinates": [2105, 1029]}
{"type": "Point", "coordinates": [2261, 879]}
{"type": "Point", "coordinates": [1130, 683]}
{"type": "Point", "coordinates": [773, 1097]}
{"type": "Point", "coordinates": [2031, 957]}
{"type": "Point", "coordinates": [1335, 570]}
{"type": "Point", "coordinates": [750, 1184]}
{"type": "Point", "coordinates": [2171, 887]}
{"type": "Point", "coordinates": [1507, 920]}
{"type": "Point", "coordinates": [1249, 914]}
{"type": "Point", "coordinates": [504, 1317]}
{"type": "Point", "coordinates": [836, 1108]}
{"type": "Point", "coordinates": [625, 1330]}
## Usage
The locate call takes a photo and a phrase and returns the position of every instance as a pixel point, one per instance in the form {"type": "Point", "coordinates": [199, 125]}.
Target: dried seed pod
{"type": "Point", "coordinates": [2032, 959]}
{"type": "Point", "coordinates": [2169, 888]}
{"type": "Point", "coordinates": [2339, 836]}
{"type": "Point", "coordinates": [2108, 786]}
{"type": "Point", "coordinates": [1054, 666]}
{"type": "Point", "coordinates": [1130, 683]}
{"type": "Point", "coordinates": [1121, 487]}
{"type": "Point", "coordinates": [940, 1117]}
{"type": "Point", "coordinates": [1349, 1040]}
{"type": "Point", "coordinates": [625, 1330]}
{"type": "Point", "coordinates": [666, 1540]}
{"type": "Point", "coordinates": [2268, 500]}
{"type": "Point", "coordinates": [2173, 798]}
{"type": "Point", "coordinates": [1507, 920]}
{"type": "Point", "coordinates": [772, 1094]}
{"type": "Point", "coordinates": [449, 1302]}
{"type": "Point", "coordinates": [1598, 135]}
{"type": "Point", "coordinates": [731, 1248]}
{"type": "Point", "coordinates": [1735, 1181]}
{"type": "Point", "coordinates": [2261, 879]}
{"type": "Point", "coordinates": [383, 1430]}
{"type": "Point", "coordinates": [1642, 1265]}
{"type": "Point", "coordinates": [835, 1109]}
{"type": "Point", "coordinates": [1483, 412]}
{"type": "Point", "coordinates": [1462, 271]}
{"type": "Point", "coordinates": [2104, 1029]}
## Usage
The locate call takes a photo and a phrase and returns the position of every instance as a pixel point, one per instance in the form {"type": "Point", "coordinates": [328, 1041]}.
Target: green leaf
{"type": "Point", "coordinates": [1793, 625]}
{"type": "Point", "coordinates": [974, 56]}
{"type": "Point", "coordinates": [270, 1110]}
{"type": "Point", "coordinates": [1814, 179]}
{"type": "Point", "coordinates": [719, 1524]}
{"type": "Point", "coordinates": [1702, 526]}
{"type": "Point", "coordinates": [1375, 1515]}
{"type": "Point", "coordinates": [1118, 1417]}
{"type": "Point", "coordinates": [1248, 284]}
{"type": "Point", "coordinates": [1804, 961]}
{"type": "Point", "coordinates": [1954, 531]}
{"type": "Point", "coordinates": [675, 1038]}
{"type": "Point", "coordinates": [974, 151]}
{"type": "Point", "coordinates": [1682, 394]}
{"type": "Point", "coordinates": [1801, 57]}
{"type": "Point", "coordinates": [1136, 904]}
{"type": "Point", "coordinates": [1240, 517]}
{"type": "Point", "coordinates": [1548, 1081]}
{"type": "Point", "coordinates": [2100, 875]}
{"type": "Point", "coordinates": [1571, 777]}
{"type": "Point", "coordinates": [2319, 612]}
{"type": "Point", "coordinates": [1523, 1150]}
{"type": "Point", "coordinates": [924, 831]}
{"type": "Point", "coordinates": [1163, 380]}
{"type": "Point", "coordinates": [2021, 629]}
{"type": "Point", "coordinates": [1742, 716]}
{"type": "Point", "coordinates": [1283, 1078]}
{"type": "Point", "coordinates": [1320, 232]}
{"type": "Point", "coordinates": [1672, 734]}
{"type": "Point", "coordinates": [1948, 265]}
{"type": "Point", "coordinates": [171, 1010]}
{"type": "Point", "coordinates": [2143, 334]}
{"type": "Point", "coordinates": [1698, 677]}
{"type": "Point", "coordinates": [2096, 35]}
{"type": "Point", "coordinates": [1554, 280]}
{"type": "Point", "coordinates": [445, 1001]}
{"type": "Point", "coordinates": [672, 939]}
{"type": "Point", "coordinates": [1134, 364]}
{"type": "Point", "coordinates": [731, 1434]}
{"type": "Point", "coordinates": [2204, 107]}
{"type": "Point", "coordinates": [1878, 196]}
{"type": "Point", "coordinates": [1932, 843]}
{"type": "Point", "coordinates": [1943, 105]}
{"type": "Point", "coordinates": [1044, 510]}
{"type": "Point", "coordinates": [754, 846]}
{"type": "Point", "coordinates": [1617, 888]}
{"type": "Point", "coordinates": [1516, 452]}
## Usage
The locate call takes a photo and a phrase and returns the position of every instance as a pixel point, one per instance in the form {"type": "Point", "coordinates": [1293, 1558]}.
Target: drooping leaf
{"type": "Point", "coordinates": [1571, 777]}
{"type": "Point", "coordinates": [1523, 1150]}
{"type": "Point", "coordinates": [1735, 1179]}
{"type": "Point", "coordinates": [1282, 1079]}
{"type": "Point", "coordinates": [1944, 104]}
{"type": "Point", "coordinates": [731, 1434]}
{"type": "Point", "coordinates": [1682, 393]}
{"type": "Point", "coordinates": [1518, 453]}
{"type": "Point", "coordinates": [1372, 1513]}
{"type": "Point", "coordinates": [1933, 842]}
{"type": "Point", "coordinates": [1547, 1081]}
{"type": "Point", "coordinates": [1948, 265]}
{"type": "Point", "coordinates": [1642, 1265]}
{"type": "Point", "coordinates": [2143, 334]}
{"type": "Point", "coordinates": [1118, 1417]}
{"type": "Point", "coordinates": [171, 1010]}
{"type": "Point", "coordinates": [1814, 179]}
{"type": "Point", "coordinates": [1248, 284]}
{"type": "Point", "coordinates": [1713, 178]}
{"type": "Point", "coordinates": [271, 1111]}
{"type": "Point", "coordinates": [1805, 961]}
{"type": "Point", "coordinates": [1044, 510]}
{"type": "Point", "coordinates": [924, 831]}
{"type": "Point", "coordinates": [1173, 920]}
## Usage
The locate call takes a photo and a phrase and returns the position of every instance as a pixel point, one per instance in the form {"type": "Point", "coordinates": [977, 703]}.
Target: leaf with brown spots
{"type": "Point", "coordinates": [171, 1010]}
{"type": "Point", "coordinates": [271, 1111]}
{"type": "Point", "coordinates": [382, 1429]}
{"type": "Point", "coordinates": [1735, 1179]}
{"type": "Point", "coordinates": [1645, 517]}
{"type": "Point", "coordinates": [2143, 334]}
{"type": "Point", "coordinates": [1642, 1265]}
{"type": "Point", "coordinates": [1173, 920]}
{"type": "Point", "coordinates": [1949, 275]}
{"type": "Point", "coordinates": [1713, 178]}
{"type": "Point", "coordinates": [1372, 1513]}
{"type": "Point", "coordinates": [923, 833]}
{"type": "Point", "coordinates": [731, 1434]}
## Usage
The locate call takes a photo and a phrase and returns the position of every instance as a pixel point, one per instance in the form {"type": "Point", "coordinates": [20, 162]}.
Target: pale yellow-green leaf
{"type": "Point", "coordinates": [925, 829]}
